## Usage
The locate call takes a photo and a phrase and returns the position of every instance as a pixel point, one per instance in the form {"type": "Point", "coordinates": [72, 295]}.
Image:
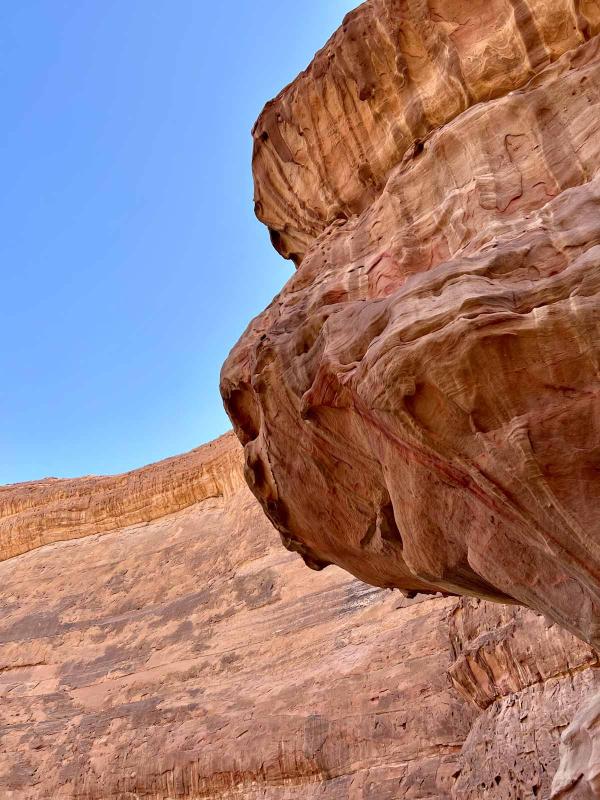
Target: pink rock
{"type": "Point", "coordinates": [420, 405]}
{"type": "Point", "coordinates": [162, 650]}
{"type": "Point", "coordinates": [578, 777]}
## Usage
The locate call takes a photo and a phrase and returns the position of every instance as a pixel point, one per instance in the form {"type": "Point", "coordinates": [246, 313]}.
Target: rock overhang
{"type": "Point", "coordinates": [420, 403]}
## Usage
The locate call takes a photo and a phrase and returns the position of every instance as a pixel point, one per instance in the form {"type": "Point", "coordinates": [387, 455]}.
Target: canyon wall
{"type": "Point", "coordinates": [434, 175]}
{"type": "Point", "coordinates": [185, 654]}
{"type": "Point", "coordinates": [41, 512]}
{"type": "Point", "coordinates": [419, 405]}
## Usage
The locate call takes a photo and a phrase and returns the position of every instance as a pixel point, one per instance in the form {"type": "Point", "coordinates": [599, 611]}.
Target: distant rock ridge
{"type": "Point", "coordinates": [41, 512]}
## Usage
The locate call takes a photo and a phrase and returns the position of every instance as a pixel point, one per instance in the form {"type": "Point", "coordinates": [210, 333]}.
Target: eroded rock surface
{"type": "Point", "coordinates": [530, 679]}
{"type": "Point", "coordinates": [40, 512]}
{"type": "Point", "coordinates": [189, 656]}
{"type": "Point", "coordinates": [435, 359]}
{"type": "Point", "coordinates": [578, 777]}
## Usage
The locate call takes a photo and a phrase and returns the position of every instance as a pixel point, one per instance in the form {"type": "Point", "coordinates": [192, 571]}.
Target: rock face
{"type": "Point", "coordinates": [579, 775]}
{"type": "Point", "coordinates": [41, 512]}
{"type": "Point", "coordinates": [186, 655]}
{"type": "Point", "coordinates": [419, 406]}
{"type": "Point", "coordinates": [435, 359]}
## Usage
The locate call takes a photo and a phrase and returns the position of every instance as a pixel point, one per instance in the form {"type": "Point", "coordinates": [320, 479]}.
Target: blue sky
{"type": "Point", "coordinates": [130, 257]}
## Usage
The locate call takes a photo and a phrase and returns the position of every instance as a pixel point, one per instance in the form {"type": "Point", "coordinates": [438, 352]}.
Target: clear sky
{"type": "Point", "coordinates": [130, 257]}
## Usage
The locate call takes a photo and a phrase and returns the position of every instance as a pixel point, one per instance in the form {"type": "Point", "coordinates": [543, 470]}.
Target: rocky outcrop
{"type": "Point", "coordinates": [578, 777]}
{"type": "Point", "coordinates": [391, 76]}
{"type": "Point", "coordinates": [529, 678]}
{"type": "Point", "coordinates": [419, 406]}
{"type": "Point", "coordinates": [188, 656]}
{"type": "Point", "coordinates": [435, 176]}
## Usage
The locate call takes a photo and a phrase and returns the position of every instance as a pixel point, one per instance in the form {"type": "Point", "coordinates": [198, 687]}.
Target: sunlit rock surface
{"type": "Point", "coordinates": [40, 512]}
{"type": "Point", "coordinates": [189, 656]}
{"type": "Point", "coordinates": [420, 404]}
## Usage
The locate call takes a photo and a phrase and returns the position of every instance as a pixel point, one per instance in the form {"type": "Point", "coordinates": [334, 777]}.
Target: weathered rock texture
{"type": "Point", "coordinates": [51, 510]}
{"type": "Point", "coordinates": [578, 777]}
{"type": "Point", "coordinates": [188, 656]}
{"type": "Point", "coordinates": [420, 404]}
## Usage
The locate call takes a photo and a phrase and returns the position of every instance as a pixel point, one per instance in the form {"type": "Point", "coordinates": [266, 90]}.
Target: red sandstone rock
{"type": "Point", "coordinates": [394, 73]}
{"type": "Point", "coordinates": [187, 656]}
{"type": "Point", "coordinates": [421, 403]}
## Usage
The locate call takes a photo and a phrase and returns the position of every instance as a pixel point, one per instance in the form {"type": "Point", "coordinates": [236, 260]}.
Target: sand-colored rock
{"type": "Point", "coordinates": [530, 678]}
{"type": "Point", "coordinates": [394, 73]}
{"type": "Point", "coordinates": [420, 405]}
{"type": "Point", "coordinates": [52, 510]}
{"type": "Point", "coordinates": [578, 777]}
{"type": "Point", "coordinates": [435, 359]}
{"type": "Point", "coordinates": [189, 656]}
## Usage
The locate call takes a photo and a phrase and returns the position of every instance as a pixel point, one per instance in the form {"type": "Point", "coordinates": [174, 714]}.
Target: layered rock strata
{"type": "Point", "coordinates": [188, 656]}
{"type": "Point", "coordinates": [434, 174]}
{"type": "Point", "coordinates": [40, 512]}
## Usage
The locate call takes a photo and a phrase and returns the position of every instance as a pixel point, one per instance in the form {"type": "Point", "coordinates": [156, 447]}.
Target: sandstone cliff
{"type": "Point", "coordinates": [51, 510]}
{"type": "Point", "coordinates": [183, 654]}
{"type": "Point", "coordinates": [434, 363]}
{"type": "Point", "coordinates": [434, 174]}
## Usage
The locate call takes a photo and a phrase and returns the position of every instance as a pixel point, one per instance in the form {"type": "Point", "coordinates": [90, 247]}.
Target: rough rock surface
{"type": "Point", "coordinates": [435, 175]}
{"type": "Point", "coordinates": [530, 680]}
{"type": "Point", "coordinates": [40, 512]}
{"type": "Point", "coordinates": [578, 777]}
{"type": "Point", "coordinates": [188, 656]}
